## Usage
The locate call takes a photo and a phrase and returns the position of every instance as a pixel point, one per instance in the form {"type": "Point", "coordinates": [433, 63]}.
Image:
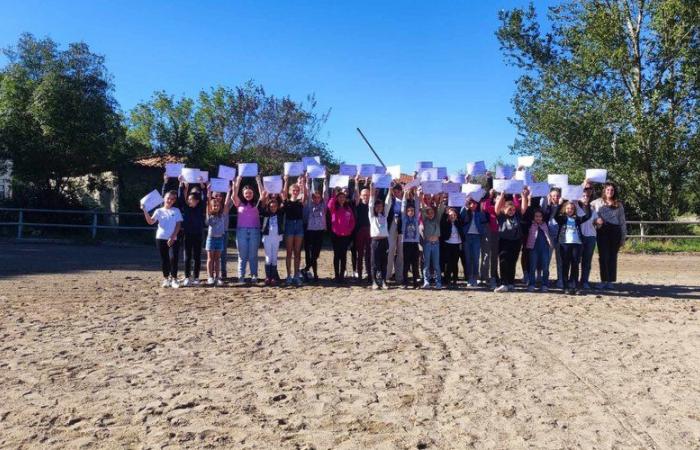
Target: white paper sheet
{"type": "Point", "coordinates": [293, 169]}
{"type": "Point", "coordinates": [508, 186]}
{"type": "Point", "coordinates": [248, 169]}
{"type": "Point", "coordinates": [476, 169]}
{"type": "Point", "coordinates": [191, 175]}
{"type": "Point", "coordinates": [456, 199]}
{"type": "Point", "coordinates": [227, 173]}
{"type": "Point", "coordinates": [311, 161]}
{"type": "Point", "coordinates": [413, 183]}
{"type": "Point", "coordinates": [457, 178]}
{"type": "Point", "coordinates": [441, 173]}
{"type": "Point", "coordinates": [315, 171]}
{"type": "Point", "coordinates": [597, 175]}
{"type": "Point", "coordinates": [338, 181]}
{"type": "Point", "coordinates": [219, 185]}
{"type": "Point", "coordinates": [477, 195]}
{"type": "Point", "coordinates": [526, 161]}
{"type": "Point", "coordinates": [450, 187]}
{"type": "Point", "coordinates": [525, 176]}
{"type": "Point", "coordinates": [381, 181]}
{"type": "Point", "coordinates": [420, 165]}
{"type": "Point", "coordinates": [432, 187]}
{"type": "Point", "coordinates": [348, 169]}
{"type": "Point", "coordinates": [504, 172]}
{"type": "Point", "coordinates": [572, 192]}
{"type": "Point", "coordinates": [204, 175]}
{"type": "Point", "coordinates": [430, 174]}
{"type": "Point", "coordinates": [151, 200]}
{"type": "Point", "coordinates": [558, 180]}
{"type": "Point", "coordinates": [470, 187]}
{"type": "Point", "coordinates": [174, 170]}
{"type": "Point", "coordinates": [273, 184]}
{"type": "Point", "coordinates": [365, 170]}
{"type": "Point", "coordinates": [539, 189]}
{"type": "Point", "coordinates": [395, 171]}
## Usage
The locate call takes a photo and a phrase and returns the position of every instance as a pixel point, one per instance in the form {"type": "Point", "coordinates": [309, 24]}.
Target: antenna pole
{"type": "Point", "coordinates": [371, 148]}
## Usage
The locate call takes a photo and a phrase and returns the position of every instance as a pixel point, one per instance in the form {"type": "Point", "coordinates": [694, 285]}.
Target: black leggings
{"type": "Point", "coordinates": [451, 252]}
{"type": "Point", "coordinates": [609, 240]}
{"type": "Point", "coordinates": [410, 260]}
{"type": "Point", "coordinates": [570, 260]}
{"type": "Point", "coordinates": [508, 251]}
{"type": "Point", "coordinates": [168, 257]}
{"type": "Point", "coordinates": [193, 250]}
{"type": "Point", "coordinates": [313, 241]}
{"type": "Point", "coordinates": [340, 254]}
{"type": "Point", "coordinates": [380, 258]}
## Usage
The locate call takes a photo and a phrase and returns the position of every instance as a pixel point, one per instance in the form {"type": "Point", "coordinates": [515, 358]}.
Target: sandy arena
{"type": "Point", "coordinates": [96, 355]}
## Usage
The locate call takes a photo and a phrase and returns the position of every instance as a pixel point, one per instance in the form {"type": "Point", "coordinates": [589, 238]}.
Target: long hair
{"type": "Point", "coordinates": [614, 200]}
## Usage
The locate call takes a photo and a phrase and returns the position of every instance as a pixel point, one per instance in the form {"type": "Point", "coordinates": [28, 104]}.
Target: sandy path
{"type": "Point", "coordinates": [96, 356]}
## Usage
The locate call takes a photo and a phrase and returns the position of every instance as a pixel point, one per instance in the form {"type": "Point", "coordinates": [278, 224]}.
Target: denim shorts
{"type": "Point", "coordinates": [214, 244]}
{"type": "Point", "coordinates": [294, 228]}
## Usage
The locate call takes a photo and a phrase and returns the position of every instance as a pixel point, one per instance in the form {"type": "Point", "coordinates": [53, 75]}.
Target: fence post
{"type": "Point", "coordinates": [94, 224]}
{"type": "Point", "coordinates": [641, 232]}
{"type": "Point", "coordinates": [19, 224]}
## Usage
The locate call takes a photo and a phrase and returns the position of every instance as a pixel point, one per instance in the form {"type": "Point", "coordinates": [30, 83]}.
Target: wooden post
{"type": "Point", "coordinates": [641, 232]}
{"type": "Point", "coordinates": [20, 224]}
{"type": "Point", "coordinates": [94, 224]}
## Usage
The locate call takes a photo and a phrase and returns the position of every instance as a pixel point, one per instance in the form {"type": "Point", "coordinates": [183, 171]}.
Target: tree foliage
{"type": "Point", "coordinates": [225, 125]}
{"type": "Point", "coordinates": [58, 116]}
{"type": "Point", "coordinates": [613, 84]}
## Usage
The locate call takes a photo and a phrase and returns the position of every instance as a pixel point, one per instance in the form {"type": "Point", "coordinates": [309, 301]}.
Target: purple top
{"type": "Point", "coordinates": [248, 216]}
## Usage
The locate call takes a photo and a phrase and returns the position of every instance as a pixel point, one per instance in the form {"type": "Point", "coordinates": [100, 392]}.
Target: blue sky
{"type": "Point", "coordinates": [423, 80]}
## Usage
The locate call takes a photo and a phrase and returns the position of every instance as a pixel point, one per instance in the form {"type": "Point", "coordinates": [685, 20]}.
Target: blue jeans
{"type": "Point", "coordinates": [540, 256]}
{"type": "Point", "coordinates": [431, 253]}
{"type": "Point", "coordinates": [472, 250]}
{"type": "Point", "coordinates": [587, 252]}
{"type": "Point", "coordinates": [247, 241]}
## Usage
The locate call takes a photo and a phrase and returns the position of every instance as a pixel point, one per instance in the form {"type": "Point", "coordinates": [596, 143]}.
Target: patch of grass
{"type": "Point", "coordinates": [662, 246]}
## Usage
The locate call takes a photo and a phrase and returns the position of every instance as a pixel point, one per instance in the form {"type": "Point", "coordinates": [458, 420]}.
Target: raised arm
{"type": "Point", "coordinates": [525, 201]}
{"type": "Point", "coordinates": [236, 191]}
{"type": "Point", "coordinates": [285, 188]}
{"type": "Point", "coordinates": [149, 219]}
{"type": "Point", "coordinates": [228, 203]}
{"type": "Point", "coordinates": [325, 192]}
{"type": "Point", "coordinates": [500, 201]}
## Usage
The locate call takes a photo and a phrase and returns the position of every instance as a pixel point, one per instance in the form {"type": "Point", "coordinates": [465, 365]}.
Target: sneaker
{"type": "Point", "coordinates": [165, 283]}
{"type": "Point", "coordinates": [492, 283]}
{"type": "Point", "coordinates": [526, 278]}
{"type": "Point", "coordinates": [297, 281]}
{"type": "Point", "coordinates": [195, 282]}
{"type": "Point", "coordinates": [355, 275]}
{"type": "Point", "coordinates": [571, 291]}
{"type": "Point", "coordinates": [219, 282]}
{"type": "Point", "coordinates": [375, 286]}
{"type": "Point", "coordinates": [531, 288]}
{"type": "Point", "coordinates": [601, 285]}
{"type": "Point", "coordinates": [267, 282]}
{"type": "Point", "coordinates": [384, 285]}
{"type": "Point", "coordinates": [186, 282]}
{"type": "Point", "coordinates": [501, 288]}
{"type": "Point", "coordinates": [560, 284]}
{"type": "Point", "coordinates": [609, 285]}
{"type": "Point", "coordinates": [174, 284]}
{"type": "Point", "coordinates": [438, 285]}
{"type": "Point", "coordinates": [426, 285]}
{"type": "Point", "coordinates": [210, 281]}
{"type": "Point", "coordinates": [288, 281]}
{"type": "Point", "coordinates": [544, 288]}
{"type": "Point", "coordinates": [511, 288]}
{"type": "Point", "coordinates": [586, 286]}
{"type": "Point", "coordinates": [253, 280]}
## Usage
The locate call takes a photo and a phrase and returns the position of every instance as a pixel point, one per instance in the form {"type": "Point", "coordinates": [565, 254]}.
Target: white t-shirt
{"type": "Point", "coordinates": [167, 220]}
{"type": "Point", "coordinates": [454, 236]}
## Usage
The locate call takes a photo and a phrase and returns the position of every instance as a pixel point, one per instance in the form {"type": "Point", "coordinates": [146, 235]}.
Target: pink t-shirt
{"type": "Point", "coordinates": [248, 216]}
{"type": "Point", "coordinates": [342, 219]}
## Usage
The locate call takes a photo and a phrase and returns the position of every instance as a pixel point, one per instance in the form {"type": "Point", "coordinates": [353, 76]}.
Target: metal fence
{"type": "Point", "coordinates": [93, 221]}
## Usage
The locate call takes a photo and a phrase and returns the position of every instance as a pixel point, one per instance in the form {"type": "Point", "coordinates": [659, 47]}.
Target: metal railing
{"type": "Point", "coordinates": [93, 226]}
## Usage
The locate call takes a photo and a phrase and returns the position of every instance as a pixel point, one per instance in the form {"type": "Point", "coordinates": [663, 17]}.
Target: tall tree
{"type": "Point", "coordinates": [613, 84]}
{"type": "Point", "coordinates": [58, 116]}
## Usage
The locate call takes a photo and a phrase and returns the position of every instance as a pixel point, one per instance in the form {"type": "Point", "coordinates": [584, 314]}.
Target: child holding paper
{"type": "Point", "coordinates": [509, 239]}
{"type": "Point", "coordinates": [273, 225]}
{"type": "Point", "coordinates": [247, 228]}
{"type": "Point", "coordinates": [342, 224]}
{"type": "Point", "coordinates": [193, 206]}
{"type": "Point", "coordinates": [570, 243]}
{"type": "Point", "coordinates": [217, 210]}
{"type": "Point", "coordinates": [293, 206]}
{"type": "Point", "coordinates": [410, 230]}
{"type": "Point", "coordinates": [431, 212]}
{"type": "Point", "coordinates": [379, 233]}
{"type": "Point", "coordinates": [588, 228]}
{"type": "Point", "coordinates": [539, 245]}
{"type": "Point", "coordinates": [169, 220]}
{"type": "Point", "coordinates": [362, 236]}
{"type": "Point", "coordinates": [489, 242]}
{"type": "Point", "coordinates": [474, 223]}
{"type": "Point", "coordinates": [550, 208]}
{"type": "Point", "coordinates": [315, 214]}
{"type": "Point", "coordinates": [452, 237]}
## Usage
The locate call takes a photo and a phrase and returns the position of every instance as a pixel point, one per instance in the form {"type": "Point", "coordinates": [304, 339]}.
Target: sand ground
{"type": "Point", "coordinates": [95, 355]}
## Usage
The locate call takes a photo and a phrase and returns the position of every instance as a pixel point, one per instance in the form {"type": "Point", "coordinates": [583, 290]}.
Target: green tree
{"type": "Point", "coordinates": [58, 116]}
{"type": "Point", "coordinates": [612, 84]}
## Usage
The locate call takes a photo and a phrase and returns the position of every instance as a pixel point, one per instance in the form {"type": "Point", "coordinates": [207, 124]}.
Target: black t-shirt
{"type": "Point", "coordinates": [294, 209]}
{"type": "Point", "coordinates": [362, 215]}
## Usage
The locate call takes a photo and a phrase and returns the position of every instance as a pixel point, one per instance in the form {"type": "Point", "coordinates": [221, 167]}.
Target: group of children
{"type": "Point", "coordinates": [406, 231]}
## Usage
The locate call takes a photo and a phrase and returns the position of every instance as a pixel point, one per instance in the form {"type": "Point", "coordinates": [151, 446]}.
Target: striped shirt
{"type": "Point", "coordinates": [615, 216]}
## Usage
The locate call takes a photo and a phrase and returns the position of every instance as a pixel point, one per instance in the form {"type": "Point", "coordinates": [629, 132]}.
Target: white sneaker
{"type": "Point", "coordinates": [426, 285]}
{"type": "Point", "coordinates": [375, 286]}
{"type": "Point", "coordinates": [174, 284]}
{"type": "Point", "coordinates": [253, 280]}
{"type": "Point", "coordinates": [195, 282]}
{"type": "Point", "coordinates": [219, 282]}
{"type": "Point", "coordinates": [501, 288]}
{"type": "Point", "coordinates": [210, 281]}
{"type": "Point", "coordinates": [384, 285]}
{"type": "Point", "coordinates": [187, 282]}
{"type": "Point", "coordinates": [165, 283]}
{"type": "Point", "coordinates": [355, 275]}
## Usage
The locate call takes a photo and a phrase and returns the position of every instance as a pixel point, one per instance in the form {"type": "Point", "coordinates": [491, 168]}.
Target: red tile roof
{"type": "Point", "coordinates": [158, 161]}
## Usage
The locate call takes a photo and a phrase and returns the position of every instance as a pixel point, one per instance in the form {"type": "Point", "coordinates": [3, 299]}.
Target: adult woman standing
{"type": "Point", "coordinates": [612, 233]}
{"type": "Point", "coordinates": [247, 228]}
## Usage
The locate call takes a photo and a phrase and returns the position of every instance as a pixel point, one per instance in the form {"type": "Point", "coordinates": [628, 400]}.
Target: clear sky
{"type": "Point", "coordinates": [425, 80]}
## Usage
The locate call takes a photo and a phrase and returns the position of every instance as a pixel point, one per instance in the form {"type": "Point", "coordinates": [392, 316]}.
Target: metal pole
{"type": "Point", "coordinates": [94, 225]}
{"type": "Point", "coordinates": [371, 148]}
{"type": "Point", "coordinates": [19, 224]}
